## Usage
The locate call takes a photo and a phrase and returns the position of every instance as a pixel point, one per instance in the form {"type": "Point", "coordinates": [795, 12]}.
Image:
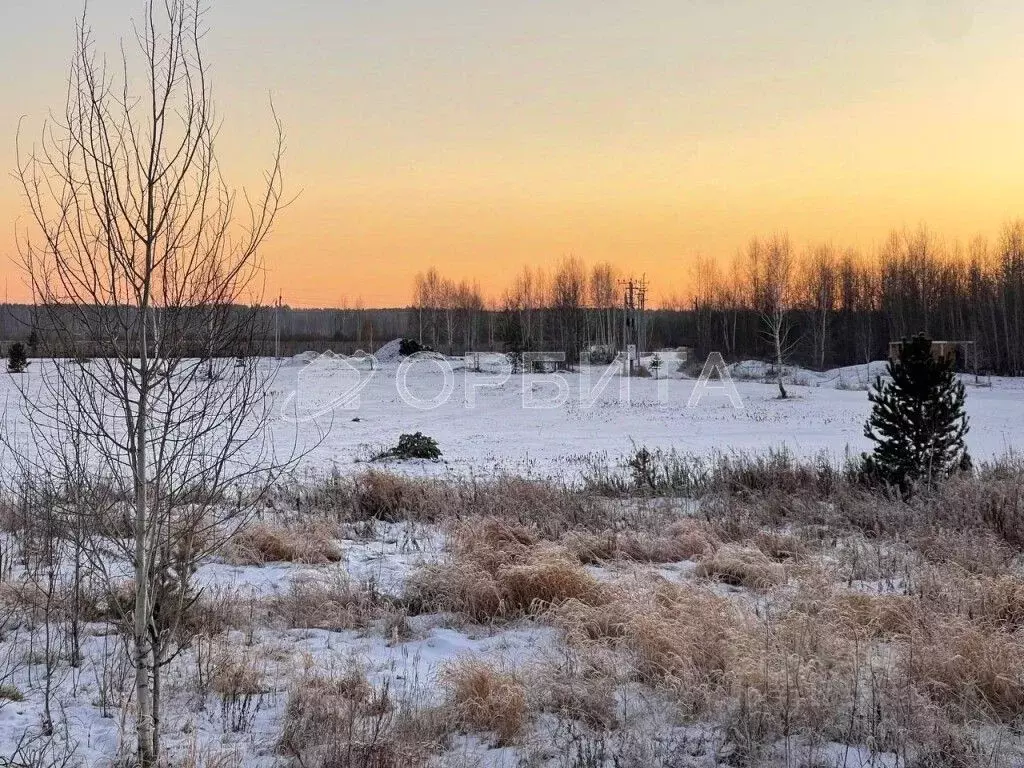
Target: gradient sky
{"type": "Point", "coordinates": [479, 136]}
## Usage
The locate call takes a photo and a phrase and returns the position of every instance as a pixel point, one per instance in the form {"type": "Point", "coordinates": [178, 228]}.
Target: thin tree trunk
{"type": "Point", "coordinates": [143, 647]}
{"type": "Point", "coordinates": [156, 699]}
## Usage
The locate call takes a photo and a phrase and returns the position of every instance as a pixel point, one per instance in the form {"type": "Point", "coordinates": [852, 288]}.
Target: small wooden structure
{"type": "Point", "coordinates": [544, 362]}
{"type": "Point", "coordinates": [941, 350]}
{"type": "Point", "coordinates": [944, 350]}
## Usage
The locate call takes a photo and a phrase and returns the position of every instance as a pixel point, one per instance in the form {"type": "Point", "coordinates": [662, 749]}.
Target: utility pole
{"type": "Point", "coordinates": [277, 328]}
{"type": "Point", "coordinates": [627, 309]}
{"type": "Point", "coordinates": [634, 302]}
{"type": "Point", "coordinates": [641, 316]}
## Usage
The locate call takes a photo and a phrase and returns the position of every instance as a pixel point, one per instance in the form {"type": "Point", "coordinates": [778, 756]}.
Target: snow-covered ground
{"type": "Point", "coordinates": [550, 423]}
{"type": "Point", "coordinates": [339, 411]}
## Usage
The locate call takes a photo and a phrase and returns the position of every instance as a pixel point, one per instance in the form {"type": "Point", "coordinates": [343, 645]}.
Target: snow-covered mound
{"type": "Point", "coordinates": [752, 370]}
{"type": "Point", "coordinates": [390, 351]}
{"type": "Point", "coordinates": [310, 355]}
{"type": "Point", "coordinates": [856, 377]}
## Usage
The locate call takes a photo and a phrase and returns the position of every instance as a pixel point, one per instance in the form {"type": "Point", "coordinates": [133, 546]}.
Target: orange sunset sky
{"type": "Point", "coordinates": [480, 136]}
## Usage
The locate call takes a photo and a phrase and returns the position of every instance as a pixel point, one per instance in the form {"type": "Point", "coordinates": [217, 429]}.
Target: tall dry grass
{"type": "Point", "coordinates": [893, 626]}
{"type": "Point", "coordinates": [482, 697]}
{"type": "Point", "coordinates": [497, 570]}
{"type": "Point", "coordinates": [259, 543]}
{"type": "Point", "coordinates": [337, 719]}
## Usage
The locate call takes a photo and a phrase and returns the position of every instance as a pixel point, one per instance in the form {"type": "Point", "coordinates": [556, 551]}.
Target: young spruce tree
{"type": "Point", "coordinates": [17, 358]}
{"type": "Point", "coordinates": [918, 421]}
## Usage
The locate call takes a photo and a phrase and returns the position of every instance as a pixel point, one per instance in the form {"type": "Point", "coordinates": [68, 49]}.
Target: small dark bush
{"type": "Point", "coordinates": [410, 347]}
{"type": "Point", "coordinates": [641, 464]}
{"type": "Point", "coordinates": [515, 359]}
{"type": "Point", "coordinates": [17, 358]}
{"type": "Point", "coordinates": [415, 446]}
{"type": "Point", "coordinates": [10, 693]}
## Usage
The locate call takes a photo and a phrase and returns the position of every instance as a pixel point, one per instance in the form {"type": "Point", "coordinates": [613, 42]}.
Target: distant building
{"type": "Point", "coordinates": [941, 350]}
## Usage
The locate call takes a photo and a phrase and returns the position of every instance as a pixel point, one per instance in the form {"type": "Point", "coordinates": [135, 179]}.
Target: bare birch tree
{"type": "Point", "coordinates": [819, 287]}
{"type": "Point", "coordinates": [139, 253]}
{"type": "Point", "coordinates": [773, 282]}
{"type": "Point", "coordinates": [603, 300]}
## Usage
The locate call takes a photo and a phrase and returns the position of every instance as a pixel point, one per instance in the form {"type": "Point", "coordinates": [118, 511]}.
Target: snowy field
{"type": "Point", "coordinates": [337, 412]}
{"type": "Point", "coordinates": [551, 424]}
{"type": "Point", "coordinates": [284, 627]}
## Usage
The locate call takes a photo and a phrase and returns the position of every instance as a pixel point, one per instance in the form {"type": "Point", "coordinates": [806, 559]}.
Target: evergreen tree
{"type": "Point", "coordinates": [17, 359]}
{"type": "Point", "coordinates": [512, 337]}
{"type": "Point", "coordinates": [918, 421]}
{"type": "Point", "coordinates": [655, 364]}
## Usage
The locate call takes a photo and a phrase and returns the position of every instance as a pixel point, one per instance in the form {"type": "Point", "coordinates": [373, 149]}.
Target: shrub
{"type": "Point", "coordinates": [657, 471]}
{"type": "Point", "coordinates": [641, 464]}
{"type": "Point", "coordinates": [10, 693]}
{"type": "Point", "coordinates": [414, 446]}
{"type": "Point", "coordinates": [655, 364]}
{"type": "Point", "coordinates": [851, 385]}
{"type": "Point", "coordinates": [515, 361]}
{"type": "Point", "coordinates": [693, 369]}
{"type": "Point", "coordinates": [17, 358]}
{"type": "Point", "coordinates": [407, 347]}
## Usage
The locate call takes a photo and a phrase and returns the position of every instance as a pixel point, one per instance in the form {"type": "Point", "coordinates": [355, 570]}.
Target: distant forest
{"type": "Point", "coordinates": [825, 306]}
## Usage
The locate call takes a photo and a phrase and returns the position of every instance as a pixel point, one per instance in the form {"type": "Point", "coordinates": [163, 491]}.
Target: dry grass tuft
{"type": "Point", "coordinates": [334, 604]}
{"type": "Point", "coordinates": [236, 673]}
{"type": "Point", "coordinates": [973, 551]}
{"type": "Point", "coordinates": [260, 543]}
{"type": "Point", "coordinates": [496, 570]}
{"type": "Point", "coordinates": [740, 567]}
{"type": "Point", "coordinates": [491, 542]}
{"type": "Point", "coordinates": [548, 578]}
{"type": "Point", "coordinates": [778, 546]}
{"type": "Point", "coordinates": [681, 540]}
{"type": "Point", "coordinates": [586, 695]}
{"type": "Point", "coordinates": [482, 697]}
{"type": "Point", "coordinates": [680, 637]}
{"type": "Point", "coordinates": [992, 602]}
{"type": "Point", "coordinates": [552, 509]}
{"type": "Point", "coordinates": [391, 498]}
{"type": "Point", "coordinates": [548, 508]}
{"type": "Point", "coordinates": [976, 671]}
{"type": "Point", "coordinates": [342, 720]}
{"type": "Point", "coordinates": [878, 616]}
{"type": "Point", "coordinates": [999, 602]}
{"type": "Point", "coordinates": [220, 608]}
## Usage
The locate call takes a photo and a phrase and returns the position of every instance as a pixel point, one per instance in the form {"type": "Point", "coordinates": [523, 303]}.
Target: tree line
{"type": "Point", "coordinates": [837, 307]}
{"type": "Point", "coordinates": [820, 307]}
